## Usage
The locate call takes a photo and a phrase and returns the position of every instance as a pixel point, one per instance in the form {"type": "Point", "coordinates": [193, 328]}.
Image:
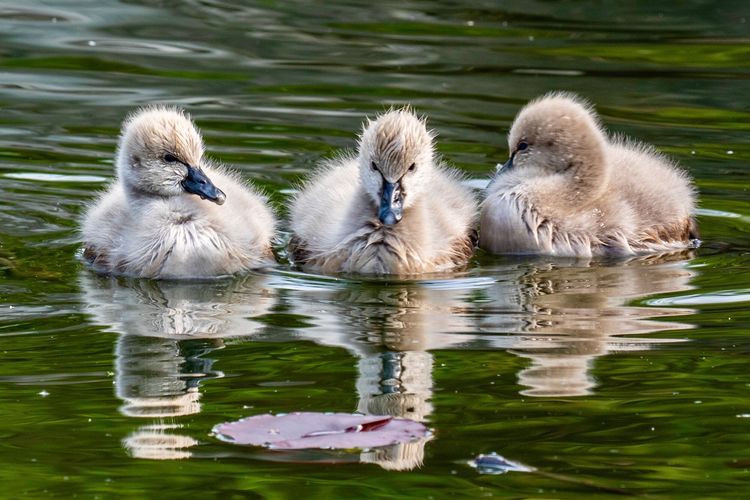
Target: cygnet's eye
{"type": "Point", "coordinates": [522, 146]}
{"type": "Point", "coordinates": [412, 167]}
{"type": "Point", "coordinates": [374, 166]}
{"type": "Point", "coordinates": [170, 158]}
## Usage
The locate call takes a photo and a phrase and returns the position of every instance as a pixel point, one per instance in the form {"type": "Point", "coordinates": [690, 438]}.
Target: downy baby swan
{"type": "Point", "coordinates": [164, 217]}
{"type": "Point", "coordinates": [391, 209]}
{"type": "Point", "coordinates": [570, 190]}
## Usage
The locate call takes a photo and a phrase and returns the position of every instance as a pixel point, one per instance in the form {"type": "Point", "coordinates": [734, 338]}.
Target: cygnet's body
{"type": "Point", "coordinates": [570, 190]}
{"type": "Point", "coordinates": [170, 213]}
{"type": "Point", "coordinates": [391, 209]}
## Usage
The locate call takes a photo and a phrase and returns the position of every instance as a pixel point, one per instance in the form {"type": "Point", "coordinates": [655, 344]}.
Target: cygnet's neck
{"type": "Point", "coordinates": [137, 196]}
{"type": "Point", "coordinates": [586, 180]}
{"type": "Point", "coordinates": [134, 193]}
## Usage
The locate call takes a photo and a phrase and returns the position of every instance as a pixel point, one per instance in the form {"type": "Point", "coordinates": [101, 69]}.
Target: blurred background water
{"type": "Point", "coordinates": [603, 376]}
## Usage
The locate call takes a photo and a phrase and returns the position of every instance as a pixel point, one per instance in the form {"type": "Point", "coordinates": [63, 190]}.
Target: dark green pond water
{"type": "Point", "coordinates": [606, 377]}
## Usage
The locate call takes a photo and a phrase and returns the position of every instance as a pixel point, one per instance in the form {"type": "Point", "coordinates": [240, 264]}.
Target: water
{"type": "Point", "coordinates": [593, 377]}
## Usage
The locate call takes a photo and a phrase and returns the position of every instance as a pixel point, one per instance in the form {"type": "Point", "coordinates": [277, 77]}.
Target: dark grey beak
{"type": "Point", "coordinates": [196, 182]}
{"type": "Point", "coordinates": [508, 164]}
{"type": "Point", "coordinates": [391, 203]}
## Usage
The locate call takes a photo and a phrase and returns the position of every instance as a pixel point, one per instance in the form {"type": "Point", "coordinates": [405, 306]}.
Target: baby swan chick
{"type": "Point", "coordinates": [170, 213]}
{"type": "Point", "coordinates": [569, 190]}
{"type": "Point", "coordinates": [391, 209]}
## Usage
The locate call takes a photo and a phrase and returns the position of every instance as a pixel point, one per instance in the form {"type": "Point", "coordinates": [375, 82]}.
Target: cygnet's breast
{"type": "Point", "coordinates": [505, 225]}
{"type": "Point", "coordinates": [379, 249]}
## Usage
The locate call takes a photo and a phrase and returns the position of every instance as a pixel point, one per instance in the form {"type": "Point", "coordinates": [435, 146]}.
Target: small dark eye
{"type": "Point", "coordinates": [412, 167]}
{"type": "Point", "coordinates": [374, 166]}
{"type": "Point", "coordinates": [522, 145]}
{"type": "Point", "coordinates": [170, 158]}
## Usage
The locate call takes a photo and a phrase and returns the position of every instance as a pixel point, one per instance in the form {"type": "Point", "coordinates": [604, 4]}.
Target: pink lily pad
{"type": "Point", "coordinates": [295, 431]}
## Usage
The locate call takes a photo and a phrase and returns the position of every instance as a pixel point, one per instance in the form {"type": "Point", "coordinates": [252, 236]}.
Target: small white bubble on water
{"type": "Point", "coordinates": [698, 402]}
{"type": "Point", "coordinates": [92, 43]}
{"type": "Point", "coordinates": [469, 23]}
{"type": "Point", "coordinates": [43, 393]}
{"type": "Point", "coordinates": [743, 415]}
{"type": "Point", "coordinates": [730, 152]}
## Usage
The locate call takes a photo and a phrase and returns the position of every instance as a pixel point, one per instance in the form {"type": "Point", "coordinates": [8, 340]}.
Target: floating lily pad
{"type": "Point", "coordinates": [295, 431]}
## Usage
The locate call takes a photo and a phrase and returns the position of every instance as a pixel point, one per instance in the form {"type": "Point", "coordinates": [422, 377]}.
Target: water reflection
{"type": "Point", "coordinates": [566, 316]}
{"type": "Point", "coordinates": [391, 329]}
{"type": "Point", "coordinates": [398, 384]}
{"type": "Point", "coordinates": [166, 331]}
{"type": "Point", "coordinates": [560, 316]}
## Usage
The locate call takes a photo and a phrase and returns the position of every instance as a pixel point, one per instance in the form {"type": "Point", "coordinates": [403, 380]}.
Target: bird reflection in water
{"type": "Point", "coordinates": [391, 329]}
{"type": "Point", "coordinates": [565, 316]}
{"type": "Point", "coordinates": [561, 315]}
{"type": "Point", "coordinates": [165, 331]}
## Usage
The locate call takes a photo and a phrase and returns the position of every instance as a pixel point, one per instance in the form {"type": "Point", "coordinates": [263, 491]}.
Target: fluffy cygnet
{"type": "Point", "coordinates": [391, 209]}
{"type": "Point", "coordinates": [570, 190]}
{"type": "Point", "coordinates": [171, 213]}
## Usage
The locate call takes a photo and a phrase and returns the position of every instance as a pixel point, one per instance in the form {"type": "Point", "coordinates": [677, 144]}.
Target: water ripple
{"type": "Point", "coordinates": [47, 177]}
{"type": "Point", "coordinates": [704, 299]}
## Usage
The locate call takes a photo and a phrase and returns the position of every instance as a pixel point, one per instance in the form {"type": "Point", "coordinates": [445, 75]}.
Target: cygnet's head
{"type": "Point", "coordinates": [395, 157]}
{"type": "Point", "coordinates": [160, 154]}
{"type": "Point", "coordinates": [558, 134]}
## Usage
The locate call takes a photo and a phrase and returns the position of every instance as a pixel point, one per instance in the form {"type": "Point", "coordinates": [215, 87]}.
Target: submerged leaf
{"type": "Point", "coordinates": [320, 430]}
{"type": "Point", "coordinates": [497, 464]}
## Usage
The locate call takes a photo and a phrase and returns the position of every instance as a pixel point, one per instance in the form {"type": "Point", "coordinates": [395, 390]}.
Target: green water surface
{"type": "Point", "coordinates": [605, 377]}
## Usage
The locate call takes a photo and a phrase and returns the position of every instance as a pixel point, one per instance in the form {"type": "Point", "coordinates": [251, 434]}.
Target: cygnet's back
{"type": "Point", "coordinates": [570, 190]}
{"type": "Point", "coordinates": [657, 190]}
{"type": "Point", "coordinates": [388, 210]}
{"type": "Point", "coordinates": [172, 214]}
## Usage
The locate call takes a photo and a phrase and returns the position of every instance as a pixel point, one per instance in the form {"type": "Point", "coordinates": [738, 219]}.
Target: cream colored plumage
{"type": "Point", "coordinates": [391, 209]}
{"type": "Point", "coordinates": [570, 190]}
{"type": "Point", "coordinates": [157, 220]}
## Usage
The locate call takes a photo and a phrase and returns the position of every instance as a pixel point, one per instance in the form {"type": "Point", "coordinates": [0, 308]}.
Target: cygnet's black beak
{"type": "Point", "coordinates": [391, 203]}
{"type": "Point", "coordinates": [508, 164]}
{"type": "Point", "coordinates": [196, 182]}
